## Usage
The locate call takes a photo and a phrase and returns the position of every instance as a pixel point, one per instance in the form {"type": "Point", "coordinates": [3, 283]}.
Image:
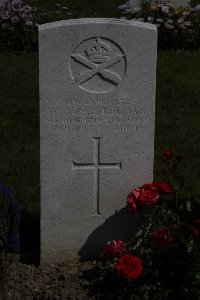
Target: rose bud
{"type": "Point", "coordinates": [167, 155]}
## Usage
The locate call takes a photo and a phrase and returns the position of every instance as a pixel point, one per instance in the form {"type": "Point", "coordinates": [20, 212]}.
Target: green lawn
{"type": "Point", "coordinates": [19, 127]}
{"type": "Point", "coordinates": [177, 120]}
{"type": "Point", "coordinates": [177, 112]}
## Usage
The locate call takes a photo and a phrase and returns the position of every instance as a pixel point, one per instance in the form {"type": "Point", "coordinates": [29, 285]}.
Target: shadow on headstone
{"type": "Point", "coordinates": [30, 239]}
{"type": "Point", "coordinates": [120, 226]}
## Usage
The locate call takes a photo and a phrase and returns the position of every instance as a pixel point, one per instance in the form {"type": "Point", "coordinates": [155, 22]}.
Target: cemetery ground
{"type": "Point", "coordinates": [177, 128]}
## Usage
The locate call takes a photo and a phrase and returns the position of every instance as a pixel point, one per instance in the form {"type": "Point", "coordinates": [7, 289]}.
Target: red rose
{"type": "Point", "coordinates": [161, 238]}
{"type": "Point", "coordinates": [114, 248]}
{"type": "Point", "coordinates": [195, 230]}
{"type": "Point", "coordinates": [142, 196]}
{"type": "Point", "coordinates": [129, 266]}
{"type": "Point", "coordinates": [167, 155]}
{"type": "Point", "coordinates": [162, 186]}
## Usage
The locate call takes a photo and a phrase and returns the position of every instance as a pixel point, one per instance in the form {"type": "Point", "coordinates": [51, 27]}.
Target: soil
{"type": "Point", "coordinates": [27, 280]}
{"type": "Point", "coordinates": [54, 282]}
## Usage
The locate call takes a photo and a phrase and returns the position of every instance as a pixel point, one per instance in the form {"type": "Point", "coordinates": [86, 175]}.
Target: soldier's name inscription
{"type": "Point", "coordinates": [79, 115]}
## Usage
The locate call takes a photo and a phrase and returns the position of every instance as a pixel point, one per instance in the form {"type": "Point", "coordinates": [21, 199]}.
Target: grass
{"type": "Point", "coordinates": [177, 113]}
{"type": "Point", "coordinates": [177, 120]}
{"type": "Point", "coordinates": [19, 127]}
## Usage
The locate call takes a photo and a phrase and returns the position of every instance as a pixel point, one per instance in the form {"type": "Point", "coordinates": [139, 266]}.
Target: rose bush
{"type": "Point", "coordinates": [161, 237]}
{"type": "Point", "coordinates": [162, 260]}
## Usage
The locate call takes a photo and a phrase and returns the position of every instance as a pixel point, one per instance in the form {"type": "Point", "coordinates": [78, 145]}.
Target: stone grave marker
{"type": "Point", "coordinates": [97, 98]}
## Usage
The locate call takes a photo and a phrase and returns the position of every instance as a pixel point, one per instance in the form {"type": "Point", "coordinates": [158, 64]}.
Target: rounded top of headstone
{"type": "Point", "coordinates": [88, 21]}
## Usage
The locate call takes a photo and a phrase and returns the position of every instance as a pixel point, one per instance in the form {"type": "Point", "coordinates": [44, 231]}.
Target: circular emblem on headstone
{"type": "Point", "coordinates": [97, 65]}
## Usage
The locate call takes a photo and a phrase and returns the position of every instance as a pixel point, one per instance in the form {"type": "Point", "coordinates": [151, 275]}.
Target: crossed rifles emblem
{"type": "Point", "coordinates": [95, 68]}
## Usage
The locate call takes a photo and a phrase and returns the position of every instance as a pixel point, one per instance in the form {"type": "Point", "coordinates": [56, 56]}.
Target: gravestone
{"type": "Point", "coordinates": [97, 98]}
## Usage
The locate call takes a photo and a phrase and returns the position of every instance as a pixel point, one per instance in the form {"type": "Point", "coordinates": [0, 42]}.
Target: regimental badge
{"type": "Point", "coordinates": [98, 65]}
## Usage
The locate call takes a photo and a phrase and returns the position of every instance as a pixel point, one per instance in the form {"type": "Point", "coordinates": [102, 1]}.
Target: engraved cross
{"type": "Point", "coordinates": [96, 166]}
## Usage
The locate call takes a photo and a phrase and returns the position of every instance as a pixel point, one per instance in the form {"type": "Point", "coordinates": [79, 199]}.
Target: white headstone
{"type": "Point", "coordinates": [97, 98]}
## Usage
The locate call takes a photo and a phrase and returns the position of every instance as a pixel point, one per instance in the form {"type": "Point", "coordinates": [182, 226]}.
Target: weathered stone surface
{"type": "Point", "coordinates": [97, 98]}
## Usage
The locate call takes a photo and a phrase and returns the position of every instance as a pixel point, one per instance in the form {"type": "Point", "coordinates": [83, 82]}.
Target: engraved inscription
{"type": "Point", "coordinates": [97, 65]}
{"type": "Point", "coordinates": [96, 166]}
{"type": "Point", "coordinates": [80, 115]}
